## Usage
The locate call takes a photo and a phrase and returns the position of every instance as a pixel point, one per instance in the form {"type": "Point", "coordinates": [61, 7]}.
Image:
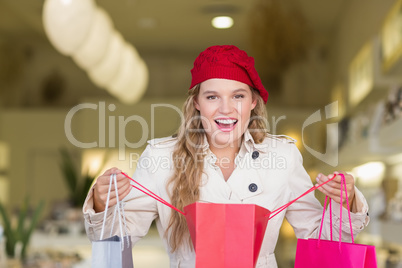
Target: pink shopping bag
{"type": "Point", "coordinates": [313, 253]}
{"type": "Point", "coordinates": [318, 253]}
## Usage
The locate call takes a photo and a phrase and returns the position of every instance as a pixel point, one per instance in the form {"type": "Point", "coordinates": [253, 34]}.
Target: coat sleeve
{"type": "Point", "coordinates": [306, 213]}
{"type": "Point", "coordinates": [139, 209]}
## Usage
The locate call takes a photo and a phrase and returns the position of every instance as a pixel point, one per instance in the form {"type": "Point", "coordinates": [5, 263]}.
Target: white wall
{"type": "Point", "coordinates": [33, 138]}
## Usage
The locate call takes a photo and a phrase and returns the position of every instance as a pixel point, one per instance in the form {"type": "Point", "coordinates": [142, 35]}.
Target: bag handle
{"type": "Point", "coordinates": [323, 215]}
{"type": "Point", "coordinates": [118, 208]}
{"type": "Point", "coordinates": [152, 194]}
{"type": "Point", "coordinates": [343, 185]}
{"type": "Point", "coordinates": [348, 205]}
{"type": "Point", "coordinates": [148, 192]}
{"type": "Point", "coordinates": [282, 208]}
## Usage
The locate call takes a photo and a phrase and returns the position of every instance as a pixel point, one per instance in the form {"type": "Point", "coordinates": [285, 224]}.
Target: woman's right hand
{"type": "Point", "coordinates": [101, 188]}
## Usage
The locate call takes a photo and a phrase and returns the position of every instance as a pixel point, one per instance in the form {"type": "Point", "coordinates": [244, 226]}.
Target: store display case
{"type": "Point", "coordinates": [370, 128]}
{"type": "Point", "coordinates": [367, 81]}
{"type": "Point", "coordinates": [361, 79]}
{"type": "Point", "coordinates": [373, 133]}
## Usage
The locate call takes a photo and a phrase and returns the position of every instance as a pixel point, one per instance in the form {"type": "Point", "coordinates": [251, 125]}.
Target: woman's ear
{"type": "Point", "coordinates": [196, 105]}
{"type": "Point", "coordinates": [254, 103]}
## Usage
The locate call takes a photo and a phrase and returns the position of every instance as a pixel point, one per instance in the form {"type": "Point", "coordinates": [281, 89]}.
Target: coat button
{"type": "Point", "coordinates": [253, 187]}
{"type": "Point", "coordinates": [255, 155]}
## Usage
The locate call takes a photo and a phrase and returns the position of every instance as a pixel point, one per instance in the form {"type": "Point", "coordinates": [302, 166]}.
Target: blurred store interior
{"type": "Point", "coordinates": [85, 83]}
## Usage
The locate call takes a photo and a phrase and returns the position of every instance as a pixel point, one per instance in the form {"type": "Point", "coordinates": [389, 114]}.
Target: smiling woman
{"type": "Point", "coordinates": [222, 153]}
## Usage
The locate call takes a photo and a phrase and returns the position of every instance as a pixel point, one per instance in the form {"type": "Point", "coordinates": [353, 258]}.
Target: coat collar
{"type": "Point", "coordinates": [250, 144]}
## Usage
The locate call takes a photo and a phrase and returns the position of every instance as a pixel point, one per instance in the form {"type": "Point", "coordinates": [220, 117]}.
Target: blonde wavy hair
{"type": "Point", "coordinates": [188, 162]}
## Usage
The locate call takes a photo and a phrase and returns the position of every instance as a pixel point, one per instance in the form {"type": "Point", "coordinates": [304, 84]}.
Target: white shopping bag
{"type": "Point", "coordinates": [115, 251]}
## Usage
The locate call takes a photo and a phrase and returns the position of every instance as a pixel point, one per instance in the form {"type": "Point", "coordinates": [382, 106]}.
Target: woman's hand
{"type": "Point", "coordinates": [102, 186]}
{"type": "Point", "coordinates": [333, 188]}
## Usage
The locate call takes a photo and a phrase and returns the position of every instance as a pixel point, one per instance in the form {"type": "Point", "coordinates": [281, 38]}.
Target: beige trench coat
{"type": "Point", "coordinates": [274, 167]}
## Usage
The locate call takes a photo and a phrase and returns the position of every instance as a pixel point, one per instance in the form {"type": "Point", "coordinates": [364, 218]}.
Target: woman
{"type": "Point", "coordinates": [222, 154]}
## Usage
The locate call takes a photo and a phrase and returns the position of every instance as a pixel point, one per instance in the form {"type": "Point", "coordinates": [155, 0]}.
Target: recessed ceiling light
{"type": "Point", "coordinates": [222, 22]}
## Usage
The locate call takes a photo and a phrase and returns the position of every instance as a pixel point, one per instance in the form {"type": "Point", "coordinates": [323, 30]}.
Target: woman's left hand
{"type": "Point", "coordinates": [333, 188]}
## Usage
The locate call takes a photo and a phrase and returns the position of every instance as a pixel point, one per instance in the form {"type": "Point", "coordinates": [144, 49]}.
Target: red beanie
{"type": "Point", "coordinates": [227, 62]}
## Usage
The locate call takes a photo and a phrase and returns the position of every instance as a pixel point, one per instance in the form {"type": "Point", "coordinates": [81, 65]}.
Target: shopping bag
{"type": "Point", "coordinates": [108, 253]}
{"type": "Point", "coordinates": [115, 251]}
{"type": "Point", "coordinates": [314, 253]}
{"type": "Point", "coordinates": [226, 235]}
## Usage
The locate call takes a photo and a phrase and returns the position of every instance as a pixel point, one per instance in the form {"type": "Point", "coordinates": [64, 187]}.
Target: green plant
{"type": "Point", "coordinates": [25, 226]}
{"type": "Point", "coordinates": [77, 185]}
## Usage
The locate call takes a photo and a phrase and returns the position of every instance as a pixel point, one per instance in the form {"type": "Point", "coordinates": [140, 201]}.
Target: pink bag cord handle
{"type": "Point", "coordinates": [280, 209]}
{"type": "Point", "coordinates": [273, 213]}
{"type": "Point", "coordinates": [152, 194]}
{"type": "Point", "coordinates": [330, 216]}
{"type": "Point", "coordinates": [343, 185]}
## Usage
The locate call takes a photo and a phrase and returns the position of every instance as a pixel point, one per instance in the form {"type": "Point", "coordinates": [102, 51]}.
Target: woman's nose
{"type": "Point", "coordinates": [226, 106]}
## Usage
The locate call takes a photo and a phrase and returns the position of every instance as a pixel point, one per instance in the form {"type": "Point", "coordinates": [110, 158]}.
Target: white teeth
{"type": "Point", "coordinates": [226, 121]}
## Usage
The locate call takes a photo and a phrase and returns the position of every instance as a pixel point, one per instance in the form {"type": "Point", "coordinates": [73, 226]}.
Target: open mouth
{"type": "Point", "coordinates": [226, 123]}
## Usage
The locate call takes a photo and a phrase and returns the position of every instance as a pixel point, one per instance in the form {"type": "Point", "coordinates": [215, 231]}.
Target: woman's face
{"type": "Point", "coordinates": [225, 107]}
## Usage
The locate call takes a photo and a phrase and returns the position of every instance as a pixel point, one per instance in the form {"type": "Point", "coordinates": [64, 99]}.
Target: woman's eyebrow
{"type": "Point", "coordinates": [207, 92]}
{"type": "Point", "coordinates": [216, 92]}
{"type": "Point", "coordinates": [240, 90]}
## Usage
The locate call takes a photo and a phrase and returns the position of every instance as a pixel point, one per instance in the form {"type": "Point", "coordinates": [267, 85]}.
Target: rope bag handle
{"type": "Point", "coordinates": [280, 209]}
{"type": "Point", "coordinates": [148, 192]}
{"type": "Point", "coordinates": [343, 185]}
{"type": "Point", "coordinates": [118, 210]}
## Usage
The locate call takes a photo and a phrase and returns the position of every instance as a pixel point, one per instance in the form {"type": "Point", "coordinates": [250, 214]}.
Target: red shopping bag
{"type": "Point", "coordinates": [226, 235]}
{"type": "Point", "coordinates": [314, 253]}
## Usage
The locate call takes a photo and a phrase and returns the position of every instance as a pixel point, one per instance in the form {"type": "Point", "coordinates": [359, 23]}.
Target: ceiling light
{"type": "Point", "coordinates": [95, 45]}
{"type": "Point", "coordinates": [104, 72]}
{"type": "Point", "coordinates": [222, 22]}
{"type": "Point", "coordinates": [85, 32]}
{"type": "Point", "coordinates": [67, 23]}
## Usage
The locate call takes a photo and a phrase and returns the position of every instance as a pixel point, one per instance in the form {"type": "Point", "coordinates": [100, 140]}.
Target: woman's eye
{"type": "Point", "coordinates": [239, 96]}
{"type": "Point", "coordinates": [211, 97]}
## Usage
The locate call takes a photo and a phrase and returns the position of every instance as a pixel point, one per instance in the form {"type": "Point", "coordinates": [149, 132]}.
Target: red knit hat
{"type": "Point", "coordinates": [227, 62]}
